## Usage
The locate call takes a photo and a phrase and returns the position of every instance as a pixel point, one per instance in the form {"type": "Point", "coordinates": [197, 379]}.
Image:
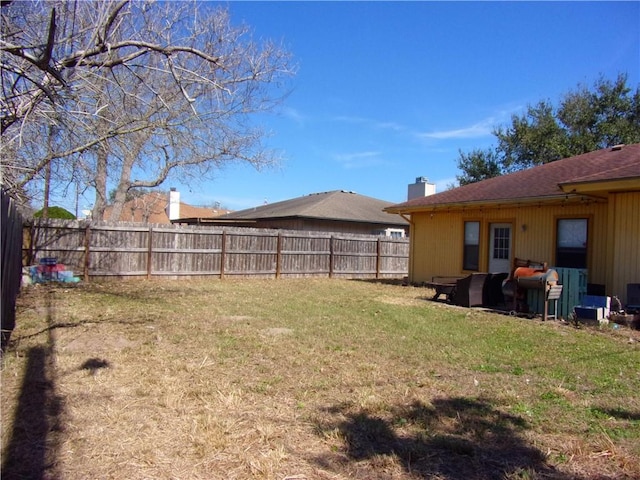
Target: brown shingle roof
{"type": "Point", "coordinates": [541, 182]}
{"type": "Point", "coordinates": [152, 208]}
{"type": "Point", "coordinates": [189, 211]}
{"type": "Point", "coordinates": [334, 205]}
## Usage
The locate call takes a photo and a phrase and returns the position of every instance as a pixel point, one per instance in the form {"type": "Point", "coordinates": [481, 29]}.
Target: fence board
{"type": "Point", "coordinates": [11, 275]}
{"type": "Point", "coordinates": [98, 249]}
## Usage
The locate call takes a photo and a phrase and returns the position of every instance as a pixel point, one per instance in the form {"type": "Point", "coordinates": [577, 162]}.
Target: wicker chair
{"type": "Point", "coordinates": [468, 291]}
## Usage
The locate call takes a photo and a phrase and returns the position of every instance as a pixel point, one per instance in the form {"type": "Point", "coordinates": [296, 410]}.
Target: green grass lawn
{"type": "Point", "coordinates": [306, 379]}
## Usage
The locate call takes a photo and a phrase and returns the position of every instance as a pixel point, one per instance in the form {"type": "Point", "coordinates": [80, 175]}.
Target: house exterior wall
{"type": "Point", "coordinates": [624, 237]}
{"type": "Point", "coordinates": [320, 225]}
{"type": "Point", "coordinates": [437, 237]}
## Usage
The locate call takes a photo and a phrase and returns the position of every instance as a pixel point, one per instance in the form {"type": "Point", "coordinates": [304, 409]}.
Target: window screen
{"type": "Point", "coordinates": [471, 256]}
{"type": "Point", "coordinates": [571, 247]}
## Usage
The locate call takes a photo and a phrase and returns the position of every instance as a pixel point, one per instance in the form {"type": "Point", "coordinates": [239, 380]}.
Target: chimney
{"type": "Point", "coordinates": [174, 205]}
{"type": "Point", "coordinates": [422, 188]}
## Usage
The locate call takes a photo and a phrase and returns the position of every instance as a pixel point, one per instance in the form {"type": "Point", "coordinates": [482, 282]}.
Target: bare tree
{"type": "Point", "coordinates": [138, 92]}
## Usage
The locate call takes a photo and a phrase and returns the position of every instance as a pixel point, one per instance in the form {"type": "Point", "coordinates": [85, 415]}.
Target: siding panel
{"type": "Point", "coordinates": [626, 242]}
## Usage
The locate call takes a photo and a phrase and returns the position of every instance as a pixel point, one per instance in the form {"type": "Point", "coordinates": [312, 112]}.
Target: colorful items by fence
{"type": "Point", "coordinates": [49, 270]}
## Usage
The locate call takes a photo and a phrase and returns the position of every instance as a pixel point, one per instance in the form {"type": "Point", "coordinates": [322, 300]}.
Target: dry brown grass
{"type": "Point", "coordinates": [301, 379]}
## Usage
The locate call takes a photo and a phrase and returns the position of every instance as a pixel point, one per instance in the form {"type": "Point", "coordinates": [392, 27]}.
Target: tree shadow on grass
{"type": "Point", "coordinates": [38, 423]}
{"type": "Point", "coordinates": [618, 413]}
{"type": "Point", "coordinates": [454, 438]}
{"type": "Point", "coordinates": [32, 450]}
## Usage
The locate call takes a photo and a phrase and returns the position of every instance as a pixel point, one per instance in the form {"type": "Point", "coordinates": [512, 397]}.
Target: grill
{"type": "Point", "coordinates": [531, 278]}
{"type": "Point", "coordinates": [528, 278]}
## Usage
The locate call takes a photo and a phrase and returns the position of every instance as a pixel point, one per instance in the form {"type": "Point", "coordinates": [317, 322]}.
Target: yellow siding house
{"type": "Point", "coordinates": [579, 212]}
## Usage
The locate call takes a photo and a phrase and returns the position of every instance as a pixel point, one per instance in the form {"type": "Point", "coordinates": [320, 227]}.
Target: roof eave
{"type": "Point", "coordinates": [209, 220]}
{"type": "Point", "coordinates": [391, 221]}
{"type": "Point", "coordinates": [481, 203]}
{"type": "Point", "coordinates": [609, 185]}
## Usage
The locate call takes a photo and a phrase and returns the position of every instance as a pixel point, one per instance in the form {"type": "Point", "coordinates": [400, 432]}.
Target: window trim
{"type": "Point", "coordinates": [478, 245]}
{"type": "Point", "coordinates": [587, 254]}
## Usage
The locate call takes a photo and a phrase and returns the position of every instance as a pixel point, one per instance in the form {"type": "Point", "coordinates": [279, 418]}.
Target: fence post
{"type": "Point", "coordinates": [378, 257]}
{"type": "Point", "coordinates": [223, 253]}
{"type": "Point", "coordinates": [31, 256]}
{"type": "Point", "coordinates": [150, 253]}
{"type": "Point", "coordinates": [278, 255]}
{"type": "Point", "coordinates": [87, 252]}
{"type": "Point", "coordinates": [331, 259]}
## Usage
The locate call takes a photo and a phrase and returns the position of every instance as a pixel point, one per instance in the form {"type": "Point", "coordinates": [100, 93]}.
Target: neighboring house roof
{"type": "Point", "coordinates": [617, 167]}
{"type": "Point", "coordinates": [334, 205]}
{"type": "Point", "coordinates": [152, 208]}
{"type": "Point", "coordinates": [189, 211]}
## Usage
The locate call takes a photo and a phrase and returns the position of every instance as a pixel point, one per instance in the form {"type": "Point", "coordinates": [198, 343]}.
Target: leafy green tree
{"type": "Point", "coordinates": [478, 165]}
{"type": "Point", "coordinates": [585, 120]}
{"type": "Point", "coordinates": [533, 138]}
{"type": "Point", "coordinates": [607, 116]}
{"type": "Point", "coordinates": [56, 212]}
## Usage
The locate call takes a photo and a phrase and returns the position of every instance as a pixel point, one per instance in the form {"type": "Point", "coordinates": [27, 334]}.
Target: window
{"type": "Point", "coordinates": [571, 246]}
{"type": "Point", "coordinates": [394, 233]}
{"type": "Point", "coordinates": [391, 232]}
{"type": "Point", "coordinates": [471, 254]}
{"type": "Point", "coordinates": [501, 243]}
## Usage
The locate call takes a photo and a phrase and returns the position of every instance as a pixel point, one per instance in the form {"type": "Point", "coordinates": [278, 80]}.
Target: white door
{"type": "Point", "coordinates": [499, 247]}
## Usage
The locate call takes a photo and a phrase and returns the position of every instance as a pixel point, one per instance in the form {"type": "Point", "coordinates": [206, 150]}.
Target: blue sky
{"type": "Point", "coordinates": [389, 91]}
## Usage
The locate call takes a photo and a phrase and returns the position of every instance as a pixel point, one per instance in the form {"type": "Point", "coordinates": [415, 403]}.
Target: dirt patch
{"type": "Point", "coordinates": [401, 301]}
{"type": "Point", "coordinates": [94, 342]}
{"type": "Point", "coordinates": [276, 332]}
{"type": "Point", "coordinates": [234, 318]}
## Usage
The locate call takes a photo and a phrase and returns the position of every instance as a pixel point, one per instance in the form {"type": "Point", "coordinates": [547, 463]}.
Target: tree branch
{"type": "Point", "coordinates": [80, 149]}
{"type": "Point", "coordinates": [79, 58]}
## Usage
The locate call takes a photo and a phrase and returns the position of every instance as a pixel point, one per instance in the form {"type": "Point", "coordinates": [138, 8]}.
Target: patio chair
{"type": "Point", "coordinates": [468, 292]}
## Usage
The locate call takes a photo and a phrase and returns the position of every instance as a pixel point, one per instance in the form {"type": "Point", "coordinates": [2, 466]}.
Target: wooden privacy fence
{"type": "Point", "coordinates": [98, 249]}
{"type": "Point", "coordinates": [11, 243]}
